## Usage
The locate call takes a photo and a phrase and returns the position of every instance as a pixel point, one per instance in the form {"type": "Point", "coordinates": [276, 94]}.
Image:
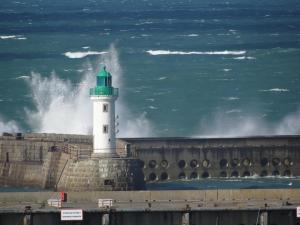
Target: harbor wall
{"type": "Point", "coordinates": [37, 160]}
{"type": "Point", "coordinates": [167, 159]}
{"type": "Point", "coordinates": [65, 161]}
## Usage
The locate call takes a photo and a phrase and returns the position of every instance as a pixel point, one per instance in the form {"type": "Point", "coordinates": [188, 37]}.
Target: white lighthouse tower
{"type": "Point", "coordinates": [104, 96]}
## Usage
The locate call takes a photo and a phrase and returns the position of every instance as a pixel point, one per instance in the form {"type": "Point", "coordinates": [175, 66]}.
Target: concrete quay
{"type": "Point", "coordinates": [209, 207]}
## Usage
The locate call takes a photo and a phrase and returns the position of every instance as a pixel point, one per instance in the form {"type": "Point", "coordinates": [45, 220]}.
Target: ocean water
{"type": "Point", "coordinates": [184, 68]}
{"type": "Point", "coordinates": [253, 182]}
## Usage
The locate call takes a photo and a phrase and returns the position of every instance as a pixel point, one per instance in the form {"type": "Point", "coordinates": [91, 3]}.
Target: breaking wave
{"type": "Point", "coordinates": [78, 55]}
{"type": "Point", "coordinates": [22, 77]}
{"type": "Point", "coordinates": [224, 125]}
{"type": "Point", "coordinates": [230, 98]}
{"type": "Point", "coordinates": [10, 126]}
{"type": "Point", "coordinates": [244, 57]}
{"type": "Point", "coordinates": [61, 107]}
{"type": "Point", "coordinates": [276, 90]}
{"type": "Point", "coordinates": [168, 52]}
{"type": "Point", "coordinates": [15, 37]}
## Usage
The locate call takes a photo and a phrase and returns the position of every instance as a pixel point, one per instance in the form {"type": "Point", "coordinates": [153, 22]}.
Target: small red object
{"type": "Point", "coordinates": [63, 196]}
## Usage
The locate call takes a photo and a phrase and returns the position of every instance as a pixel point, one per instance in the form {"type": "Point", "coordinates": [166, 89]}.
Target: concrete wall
{"type": "Point", "coordinates": [186, 158]}
{"type": "Point", "coordinates": [235, 210]}
{"type": "Point", "coordinates": [40, 159]}
{"type": "Point", "coordinates": [37, 160]}
{"type": "Point", "coordinates": [234, 196]}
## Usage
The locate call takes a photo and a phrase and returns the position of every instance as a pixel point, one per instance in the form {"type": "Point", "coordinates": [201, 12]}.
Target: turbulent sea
{"type": "Point", "coordinates": [184, 68]}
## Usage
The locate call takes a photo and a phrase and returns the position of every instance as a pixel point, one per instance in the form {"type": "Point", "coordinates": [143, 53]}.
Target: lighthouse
{"type": "Point", "coordinates": [103, 97]}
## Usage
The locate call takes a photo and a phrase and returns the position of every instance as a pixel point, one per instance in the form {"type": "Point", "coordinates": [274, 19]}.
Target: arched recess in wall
{"type": "Point", "coordinates": [152, 176]}
{"type": "Point", "coordinates": [235, 174]}
{"type": "Point", "coordinates": [164, 176]}
{"type": "Point", "coordinates": [275, 173]}
{"type": "Point", "coordinates": [194, 163]}
{"type": "Point", "coordinates": [287, 162]}
{"type": "Point", "coordinates": [276, 162]}
{"type": "Point", "coordinates": [205, 174]}
{"type": "Point", "coordinates": [206, 163]}
{"type": "Point", "coordinates": [234, 163]}
{"type": "Point", "coordinates": [181, 175]}
{"type": "Point", "coordinates": [223, 174]}
{"type": "Point", "coordinates": [223, 163]}
{"type": "Point", "coordinates": [181, 164]}
{"type": "Point", "coordinates": [264, 173]}
{"type": "Point", "coordinates": [246, 173]}
{"type": "Point", "coordinates": [152, 164]}
{"type": "Point", "coordinates": [194, 175]}
{"type": "Point", "coordinates": [287, 173]}
{"type": "Point", "coordinates": [246, 162]}
{"type": "Point", "coordinates": [164, 163]}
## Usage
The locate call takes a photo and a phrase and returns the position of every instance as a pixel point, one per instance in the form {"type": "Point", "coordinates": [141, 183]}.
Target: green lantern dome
{"type": "Point", "coordinates": [104, 85]}
{"type": "Point", "coordinates": [103, 73]}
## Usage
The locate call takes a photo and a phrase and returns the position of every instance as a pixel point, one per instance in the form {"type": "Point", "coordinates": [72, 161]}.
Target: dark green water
{"type": "Point", "coordinates": [227, 183]}
{"type": "Point", "coordinates": [184, 68]}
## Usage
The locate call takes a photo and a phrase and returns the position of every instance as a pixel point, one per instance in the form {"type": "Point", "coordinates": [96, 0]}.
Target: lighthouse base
{"type": "Point", "coordinates": [104, 155]}
{"type": "Point", "coordinates": [102, 174]}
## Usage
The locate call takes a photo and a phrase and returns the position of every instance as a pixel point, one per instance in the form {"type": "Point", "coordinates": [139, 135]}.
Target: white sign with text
{"type": "Point", "coordinates": [71, 214]}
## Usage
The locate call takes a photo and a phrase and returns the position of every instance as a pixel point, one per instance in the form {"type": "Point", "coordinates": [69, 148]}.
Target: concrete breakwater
{"type": "Point", "coordinates": [62, 162]}
{"type": "Point", "coordinates": [203, 207]}
{"type": "Point", "coordinates": [65, 162]}
{"type": "Point", "coordinates": [165, 159]}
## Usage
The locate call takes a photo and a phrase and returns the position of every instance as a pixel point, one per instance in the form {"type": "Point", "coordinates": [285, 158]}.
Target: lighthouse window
{"type": "Point", "coordinates": [105, 107]}
{"type": "Point", "coordinates": [105, 129]}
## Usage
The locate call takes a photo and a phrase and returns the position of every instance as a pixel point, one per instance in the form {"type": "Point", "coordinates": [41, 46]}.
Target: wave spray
{"type": "Point", "coordinates": [64, 108]}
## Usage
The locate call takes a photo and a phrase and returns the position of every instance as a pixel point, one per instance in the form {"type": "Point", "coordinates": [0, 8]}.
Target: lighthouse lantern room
{"type": "Point", "coordinates": [104, 96]}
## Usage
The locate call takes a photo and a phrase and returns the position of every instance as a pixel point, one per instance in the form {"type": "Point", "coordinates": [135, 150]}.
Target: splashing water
{"type": "Point", "coordinates": [63, 108]}
{"type": "Point", "coordinates": [223, 125]}
{"type": "Point", "coordinates": [10, 126]}
{"type": "Point", "coordinates": [60, 107]}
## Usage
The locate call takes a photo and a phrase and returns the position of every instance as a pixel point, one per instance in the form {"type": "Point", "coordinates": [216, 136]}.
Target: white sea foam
{"type": "Point", "coordinates": [229, 125]}
{"type": "Point", "coordinates": [61, 107]}
{"type": "Point", "coordinates": [10, 126]}
{"type": "Point", "coordinates": [244, 57]}
{"type": "Point", "coordinates": [15, 37]}
{"type": "Point", "coordinates": [78, 55]}
{"type": "Point", "coordinates": [22, 77]}
{"type": "Point", "coordinates": [150, 99]}
{"type": "Point", "coordinates": [152, 107]}
{"type": "Point", "coordinates": [8, 37]}
{"type": "Point", "coordinates": [227, 70]}
{"type": "Point", "coordinates": [231, 98]}
{"type": "Point", "coordinates": [234, 111]}
{"type": "Point", "coordinates": [189, 35]}
{"type": "Point", "coordinates": [86, 47]}
{"type": "Point", "coordinates": [193, 35]}
{"type": "Point", "coordinates": [162, 78]}
{"type": "Point", "coordinates": [168, 52]}
{"type": "Point", "coordinates": [276, 90]}
{"type": "Point", "coordinates": [143, 23]}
